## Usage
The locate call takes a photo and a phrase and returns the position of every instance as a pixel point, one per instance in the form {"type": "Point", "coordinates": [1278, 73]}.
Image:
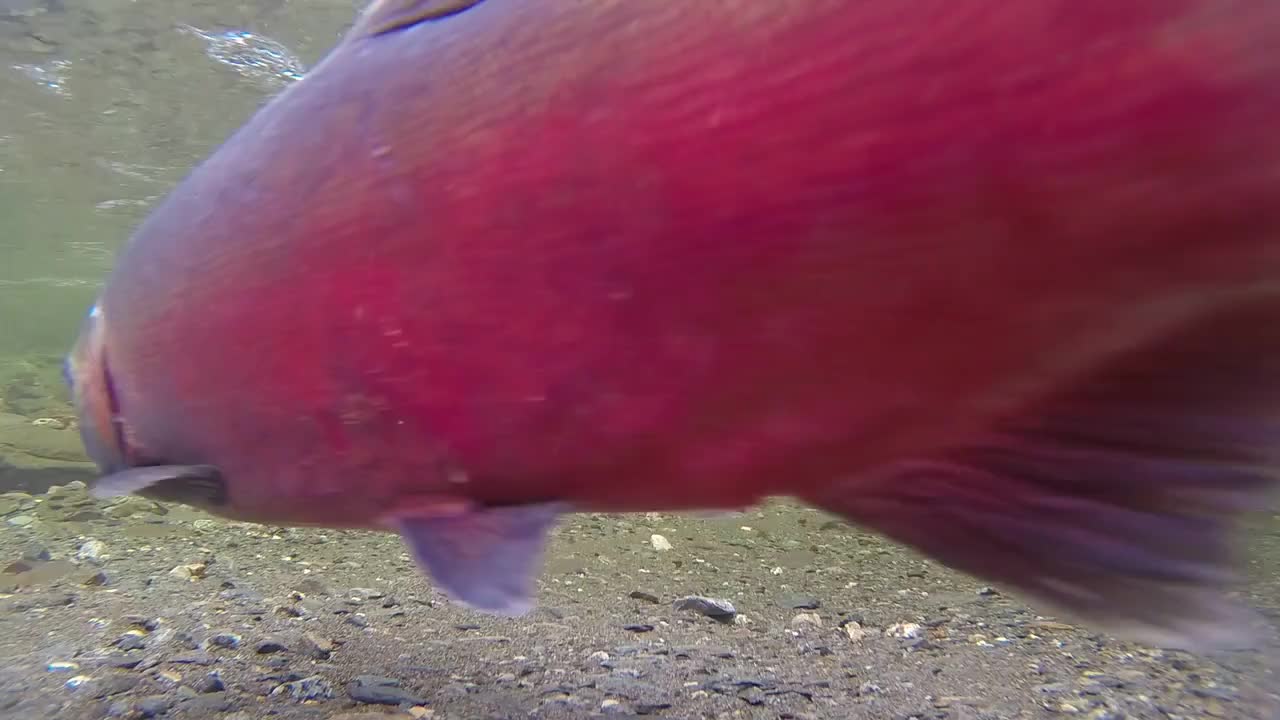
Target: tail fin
{"type": "Point", "coordinates": [1117, 501]}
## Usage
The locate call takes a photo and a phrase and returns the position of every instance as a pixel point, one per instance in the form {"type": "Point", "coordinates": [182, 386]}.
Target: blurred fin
{"type": "Point", "coordinates": [1117, 501]}
{"type": "Point", "coordinates": [384, 16]}
{"type": "Point", "coordinates": [199, 485]}
{"type": "Point", "coordinates": [717, 514]}
{"type": "Point", "coordinates": [486, 559]}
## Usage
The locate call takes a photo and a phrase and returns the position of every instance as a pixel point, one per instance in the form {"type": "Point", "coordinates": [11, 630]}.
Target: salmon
{"type": "Point", "coordinates": [998, 280]}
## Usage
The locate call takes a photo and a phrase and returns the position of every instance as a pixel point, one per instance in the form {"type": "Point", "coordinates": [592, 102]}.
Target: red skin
{"type": "Point", "coordinates": [647, 256]}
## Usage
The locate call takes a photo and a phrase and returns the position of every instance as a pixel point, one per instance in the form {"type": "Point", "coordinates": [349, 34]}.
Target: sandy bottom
{"type": "Point", "coordinates": [139, 610]}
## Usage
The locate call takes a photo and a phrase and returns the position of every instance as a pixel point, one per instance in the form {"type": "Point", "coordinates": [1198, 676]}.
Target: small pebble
{"type": "Point", "coordinates": [270, 645]}
{"type": "Point", "coordinates": [800, 602]}
{"type": "Point", "coordinates": [374, 690]}
{"type": "Point", "coordinates": [854, 631]}
{"type": "Point", "coordinates": [228, 640]}
{"type": "Point", "coordinates": [152, 706]}
{"type": "Point", "coordinates": [191, 571]}
{"type": "Point", "coordinates": [314, 687]}
{"type": "Point", "coordinates": [131, 641]}
{"type": "Point", "coordinates": [91, 550]}
{"type": "Point", "coordinates": [112, 685]}
{"type": "Point", "coordinates": [908, 631]}
{"type": "Point", "coordinates": [98, 578]}
{"type": "Point", "coordinates": [715, 608]}
{"type": "Point", "coordinates": [315, 646]}
{"type": "Point", "coordinates": [211, 682]}
{"type": "Point", "coordinates": [75, 682]}
{"type": "Point", "coordinates": [36, 553]}
{"type": "Point", "coordinates": [803, 619]}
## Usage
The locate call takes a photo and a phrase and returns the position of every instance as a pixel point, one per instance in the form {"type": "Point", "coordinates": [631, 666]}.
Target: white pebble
{"type": "Point", "coordinates": [659, 543]}
{"type": "Point", "coordinates": [910, 631]}
{"type": "Point", "coordinates": [91, 550]}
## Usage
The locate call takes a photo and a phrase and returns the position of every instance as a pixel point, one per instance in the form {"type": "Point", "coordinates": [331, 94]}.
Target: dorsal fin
{"type": "Point", "coordinates": [384, 16]}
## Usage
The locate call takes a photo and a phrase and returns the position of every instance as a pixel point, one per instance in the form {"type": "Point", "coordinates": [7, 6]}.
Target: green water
{"type": "Point", "coordinates": [103, 107]}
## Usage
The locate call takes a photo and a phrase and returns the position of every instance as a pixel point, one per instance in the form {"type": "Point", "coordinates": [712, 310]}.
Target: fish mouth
{"type": "Point", "coordinates": [93, 394]}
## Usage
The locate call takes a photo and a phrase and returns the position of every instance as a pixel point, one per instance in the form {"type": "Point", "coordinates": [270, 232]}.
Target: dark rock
{"type": "Point", "coordinates": [141, 621]}
{"type": "Point", "coordinates": [270, 645]}
{"type": "Point", "coordinates": [242, 596]}
{"type": "Point", "coordinates": [375, 690]}
{"type": "Point", "coordinates": [112, 685]}
{"type": "Point", "coordinates": [308, 688]}
{"type": "Point", "coordinates": [211, 682]}
{"type": "Point", "coordinates": [647, 597]}
{"type": "Point", "coordinates": [1051, 689]}
{"type": "Point", "coordinates": [623, 686]}
{"type": "Point", "coordinates": [294, 611]}
{"type": "Point", "coordinates": [193, 658]}
{"type": "Point", "coordinates": [228, 640]}
{"type": "Point", "coordinates": [920, 643]}
{"type": "Point", "coordinates": [201, 706]}
{"type": "Point", "coordinates": [124, 661]}
{"type": "Point", "coordinates": [314, 646]}
{"type": "Point", "coordinates": [799, 602]}
{"type": "Point", "coordinates": [152, 706]}
{"type": "Point", "coordinates": [1218, 693]}
{"type": "Point", "coordinates": [98, 578]}
{"type": "Point", "coordinates": [131, 641]}
{"type": "Point", "coordinates": [312, 586]}
{"type": "Point", "coordinates": [147, 662]}
{"type": "Point", "coordinates": [714, 608]}
{"type": "Point", "coordinates": [34, 601]}
{"type": "Point", "coordinates": [185, 639]}
{"type": "Point", "coordinates": [36, 553]}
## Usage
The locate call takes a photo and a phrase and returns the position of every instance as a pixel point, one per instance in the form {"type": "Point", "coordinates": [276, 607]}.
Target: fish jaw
{"type": "Point", "coordinates": [89, 381]}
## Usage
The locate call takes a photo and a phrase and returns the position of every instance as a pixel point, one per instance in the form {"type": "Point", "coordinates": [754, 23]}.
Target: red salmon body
{"type": "Point", "coordinates": [997, 279]}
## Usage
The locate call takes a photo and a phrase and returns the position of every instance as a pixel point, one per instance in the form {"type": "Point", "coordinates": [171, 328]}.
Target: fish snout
{"type": "Point", "coordinates": [89, 380]}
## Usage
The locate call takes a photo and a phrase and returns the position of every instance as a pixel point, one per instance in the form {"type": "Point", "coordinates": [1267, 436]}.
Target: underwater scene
{"type": "Point", "coordinates": [127, 597]}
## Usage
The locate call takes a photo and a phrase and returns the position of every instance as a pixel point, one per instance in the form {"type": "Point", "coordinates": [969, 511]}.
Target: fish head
{"type": "Point", "coordinates": [89, 381]}
{"type": "Point", "coordinates": [123, 471]}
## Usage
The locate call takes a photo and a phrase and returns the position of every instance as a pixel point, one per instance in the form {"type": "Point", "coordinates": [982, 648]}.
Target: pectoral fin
{"type": "Point", "coordinates": [198, 485]}
{"type": "Point", "coordinates": [486, 558]}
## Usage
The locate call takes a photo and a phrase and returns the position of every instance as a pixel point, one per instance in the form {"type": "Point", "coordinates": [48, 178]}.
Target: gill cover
{"type": "Point", "coordinates": [103, 433]}
{"type": "Point", "coordinates": [89, 380]}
